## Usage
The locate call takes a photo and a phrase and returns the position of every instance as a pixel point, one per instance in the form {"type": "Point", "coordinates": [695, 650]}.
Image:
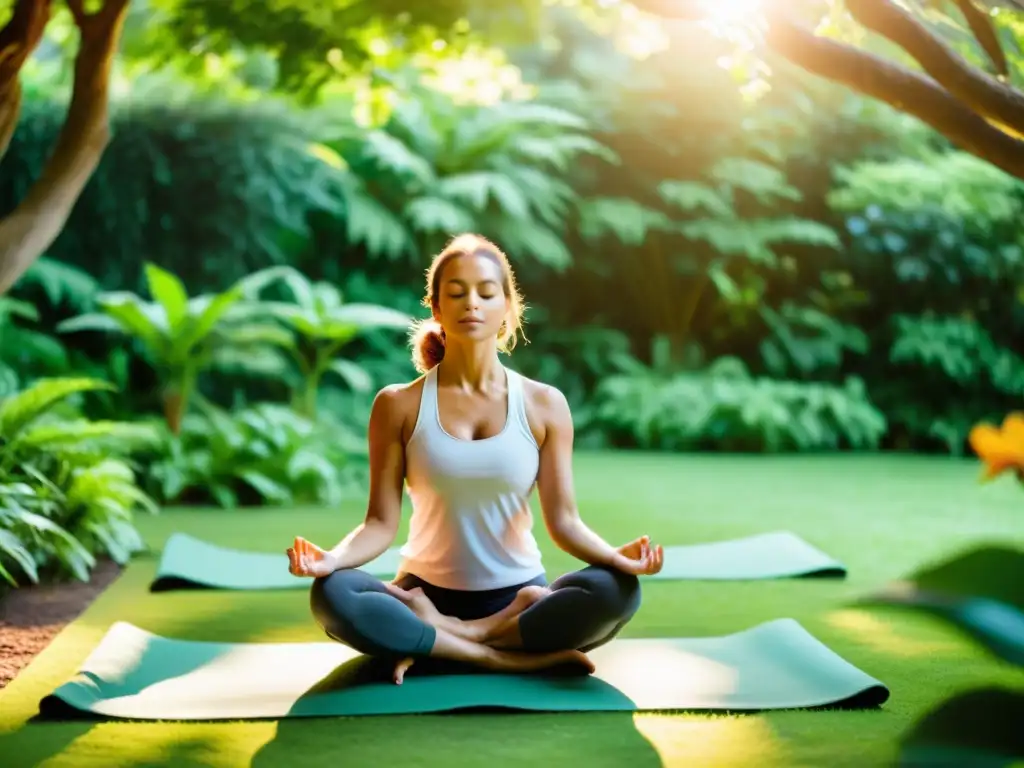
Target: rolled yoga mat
{"type": "Point", "coordinates": [190, 563]}
{"type": "Point", "coordinates": [133, 674]}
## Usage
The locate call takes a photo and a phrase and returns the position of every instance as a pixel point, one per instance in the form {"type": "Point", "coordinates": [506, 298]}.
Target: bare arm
{"type": "Point", "coordinates": [387, 475]}
{"type": "Point", "coordinates": [555, 487]}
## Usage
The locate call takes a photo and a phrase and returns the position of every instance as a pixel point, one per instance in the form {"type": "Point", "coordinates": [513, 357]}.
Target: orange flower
{"type": "Point", "coordinates": [1000, 448]}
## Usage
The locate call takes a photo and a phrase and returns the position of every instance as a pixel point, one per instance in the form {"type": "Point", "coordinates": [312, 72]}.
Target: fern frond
{"type": "Point", "coordinates": [623, 217]}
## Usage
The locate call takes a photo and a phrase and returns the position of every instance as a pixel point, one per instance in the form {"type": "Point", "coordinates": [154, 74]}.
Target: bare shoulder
{"type": "Point", "coordinates": [547, 409]}
{"type": "Point", "coordinates": [396, 406]}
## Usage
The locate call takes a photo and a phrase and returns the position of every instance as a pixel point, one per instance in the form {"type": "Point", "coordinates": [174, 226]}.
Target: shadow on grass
{"type": "Point", "coordinates": [978, 590]}
{"type": "Point", "coordinates": [480, 737]}
{"type": "Point", "coordinates": [982, 727]}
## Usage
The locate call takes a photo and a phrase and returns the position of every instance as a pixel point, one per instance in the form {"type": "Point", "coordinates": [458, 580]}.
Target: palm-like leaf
{"type": "Point", "coordinates": [20, 410]}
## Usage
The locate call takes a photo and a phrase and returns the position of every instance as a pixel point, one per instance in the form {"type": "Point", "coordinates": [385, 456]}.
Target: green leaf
{"type": "Point", "coordinates": [205, 312]}
{"type": "Point", "coordinates": [271, 490]}
{"type": "Point", "coordinates": [759, 179]}
{"type": "Point", "coordinates": [477, 188]}
{"type": "Point", "coordinates": [11, 545]}
{"type": "Point", "coordinates": [326, 297]}
{"type": "Point", "coordinates": [169, 291]}
{"type": "Point", "coordinates": [435, 214]}
{"type": "Point", "coordinates": [258, 335]}
{"type": "Point", "coordinates": [370, 223]}
{"type": "Point", "coordinates": [391, 154]}
{"type": "Point", "coordinates": [18, 411]}
{"type": "Point", "coordinates": [128, 437]}
{"type": "Point", "coordinates": [353, 374]}
{"type": "Point", "coordinates": [559, 151]}
{"type": "Point", "coordinates": [623, 217]}
{"type": "Point", "coordinates": [370, 316]}
{"type": "Point", "coordinates": [93, 321]}
{"type": "Point", "coordinates": [693, 196]}
{"type": "Point", "coordinates": [145, 321]}
{"type": "Point", "coordinates": [530, 238]}
{"type": "Point", "coordinates": [16, 308]}
{"type": "Point", "coordinates": [224, 496]}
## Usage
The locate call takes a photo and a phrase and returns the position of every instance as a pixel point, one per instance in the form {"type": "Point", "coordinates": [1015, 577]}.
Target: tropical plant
{"type": "Point", "coordinates": [724, 407]}
{"type": "Point", "coordinates": [439, 167]}
{"type": "Point", "coordinates": [182, 336]}
{"type": "Point", "coordinates": [320, 324]}
{"type": "Point", "coordinates": [25, 351]}
{"type": "Point", "coordinates": [650, 252]}
{"type": "Point", "coordinates": [264, 453]}
{"type": "Point", "coordinates": [66, 491]}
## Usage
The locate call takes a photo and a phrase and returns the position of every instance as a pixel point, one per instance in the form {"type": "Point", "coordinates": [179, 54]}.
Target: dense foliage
{"type": "Point", "coordinates": [810, 272]}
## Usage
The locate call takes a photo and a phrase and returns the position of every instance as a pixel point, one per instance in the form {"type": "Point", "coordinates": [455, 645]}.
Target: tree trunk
{"type": "Point", "coordinates": [37, 221]}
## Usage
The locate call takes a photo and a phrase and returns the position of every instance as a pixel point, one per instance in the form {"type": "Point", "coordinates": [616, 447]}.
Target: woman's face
{"type": "Point", "coordinates": [471, 302]}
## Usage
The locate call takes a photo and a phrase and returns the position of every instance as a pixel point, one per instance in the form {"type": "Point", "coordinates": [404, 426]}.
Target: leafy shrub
{"type": "Point", "coordinates": [316, 327]}
{"type": "Point", "coordinates": [969, 378]}
{"type": "Point", "coordinates": [936, 249]}
{"type": "Point", "coordinates": [439, 167]}
{"type": "Point", "coordinates": [725, 408]}
{"type": "Point", "coordinates": [236, 183]}
{"type": "Point", "coordinates": [66, 492]}
{"type": "Point", "coordinates": [264, 453]}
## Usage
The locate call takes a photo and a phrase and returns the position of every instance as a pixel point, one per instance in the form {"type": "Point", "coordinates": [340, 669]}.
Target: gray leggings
{"type": "Point", "coordinates": [585, 609]}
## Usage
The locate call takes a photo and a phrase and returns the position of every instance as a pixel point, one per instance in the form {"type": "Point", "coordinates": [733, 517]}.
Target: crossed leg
{"type": "Point", "coordinates": [581, 610]}
{"type": "Point", "coordinates": [358, 610]}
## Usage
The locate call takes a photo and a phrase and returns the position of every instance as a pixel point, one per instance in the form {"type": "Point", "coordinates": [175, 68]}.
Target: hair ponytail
{"type": "Point", "coordinates": [427, 345]}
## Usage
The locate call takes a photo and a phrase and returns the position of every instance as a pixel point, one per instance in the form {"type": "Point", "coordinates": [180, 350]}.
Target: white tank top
{"type": "Point", "coordinates": [471, 525]}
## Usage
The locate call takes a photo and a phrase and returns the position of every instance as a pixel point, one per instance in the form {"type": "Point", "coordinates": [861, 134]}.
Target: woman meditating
{"type": "Point", "coordinates": [470, 439]}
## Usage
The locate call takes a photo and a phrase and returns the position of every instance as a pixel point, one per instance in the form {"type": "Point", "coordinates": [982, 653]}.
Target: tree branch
{"type": "Point", "coordinates": [956, 118]}
{"type": "Point", "coordinates": [10, 109]}
{"type": "Point", "coordinates": [21, 35]}
{"type": "Point", "coordinates": [997, 101]}
{"type": "Point", "coordinates": [37, 221]}
{"type": "Point", "coordinates": [18, 39]}
{"type": "Point", "coordinates": [981, 26]}
{"type": "Point", "coordinates": [906, 90]}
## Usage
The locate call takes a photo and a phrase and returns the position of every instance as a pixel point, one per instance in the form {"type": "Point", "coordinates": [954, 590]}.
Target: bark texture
{"type": "Point", "coordinates": [32, 227]}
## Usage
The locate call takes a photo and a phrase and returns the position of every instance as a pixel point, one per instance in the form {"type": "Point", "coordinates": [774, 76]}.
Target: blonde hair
{"type": "Point", "coordinates": [427, 338]}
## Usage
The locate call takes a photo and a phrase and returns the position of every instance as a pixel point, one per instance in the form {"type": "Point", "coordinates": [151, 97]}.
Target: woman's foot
{"type": "Point", "coordinates": [455, 648]}
{"type": "Point", "coordinates": [474, 630]}
{"type": "Point", "coordinates": [483, 630]}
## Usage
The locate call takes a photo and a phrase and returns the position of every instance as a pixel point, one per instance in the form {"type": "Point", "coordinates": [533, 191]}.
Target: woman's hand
{"type": "Point", "coordinates": [639, 557]}
{"type": "Point", "coordinates": [307, 559]}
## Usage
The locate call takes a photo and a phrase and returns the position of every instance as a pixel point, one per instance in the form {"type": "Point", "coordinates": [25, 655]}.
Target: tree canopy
{"type": "Point", "coordinates": [956, 63]}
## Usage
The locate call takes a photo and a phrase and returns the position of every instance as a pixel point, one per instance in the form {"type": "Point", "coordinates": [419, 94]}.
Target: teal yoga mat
{"type": "Point", "coordinates": [133, 674]}
{"type": "Point", "coordinates": [191, 563]}
{"type": "Point", "coordinates": [770, 555]}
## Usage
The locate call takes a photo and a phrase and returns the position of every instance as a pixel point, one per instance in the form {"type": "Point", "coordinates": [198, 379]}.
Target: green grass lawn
{"type": "Point", "coordinates": [882, 516]}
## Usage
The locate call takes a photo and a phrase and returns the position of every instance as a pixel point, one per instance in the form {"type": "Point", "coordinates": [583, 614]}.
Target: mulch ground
{"type": "Point", "coordinates": [30, 617]}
